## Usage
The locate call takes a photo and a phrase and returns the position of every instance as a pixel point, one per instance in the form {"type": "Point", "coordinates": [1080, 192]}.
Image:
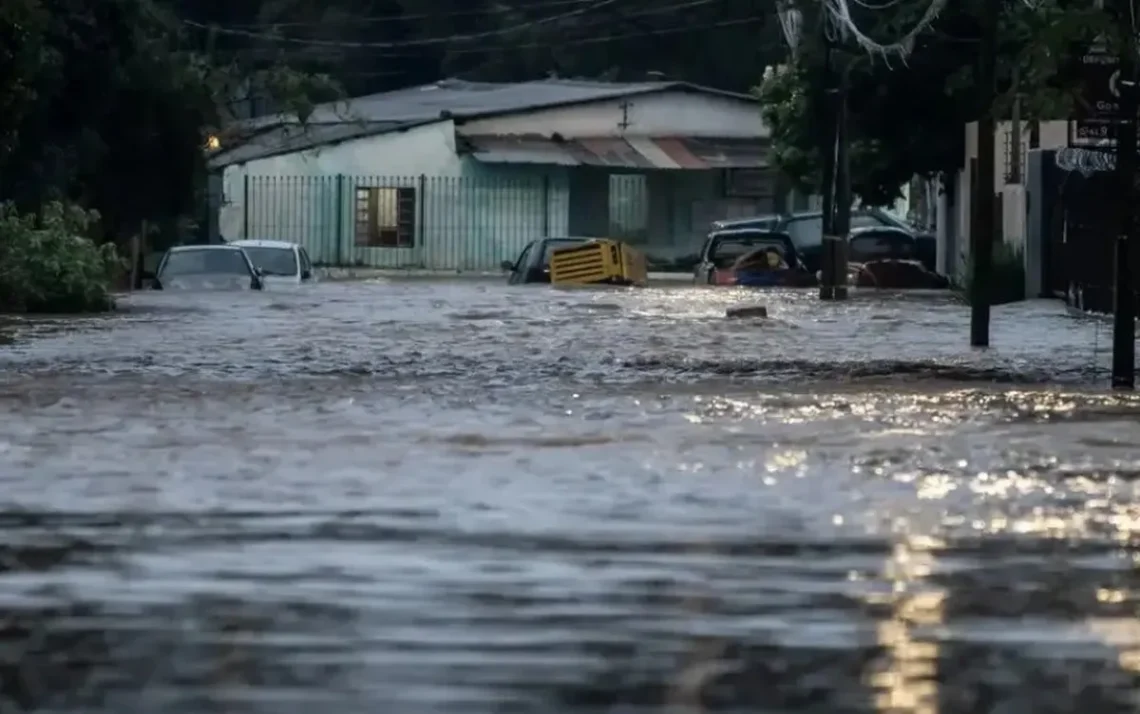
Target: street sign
{"type": "Point", "coordinates": [1092, 134]}
{"type": "Point", "coordinates": [1099, 97]}
{"type": "Point", "coordinates": [1087, 132]}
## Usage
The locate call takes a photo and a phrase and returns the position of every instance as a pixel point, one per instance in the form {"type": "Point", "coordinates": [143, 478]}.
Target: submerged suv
{"type": "Point", "coordinates": [806, 231]}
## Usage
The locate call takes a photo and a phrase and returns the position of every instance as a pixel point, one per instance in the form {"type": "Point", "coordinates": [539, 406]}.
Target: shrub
{"type": "Point", "coordinates": [1008, 282]}
{"type": "Point", "coordinates": [47, 267]}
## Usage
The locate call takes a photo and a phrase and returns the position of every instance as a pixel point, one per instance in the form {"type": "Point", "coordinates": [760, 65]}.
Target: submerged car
{"type": "Point", "coordinates": [533, 264]}
{"type": "Point", "coordinates": [750, 257]}
{"type": "Point", "coordinates": [889, 258]}
{"type": "Point", "coordinates": [806, 231]}
{"type": "Point", "coordinates": [279, 261]}
{"type": "Point", "coordinates": [207, 267]}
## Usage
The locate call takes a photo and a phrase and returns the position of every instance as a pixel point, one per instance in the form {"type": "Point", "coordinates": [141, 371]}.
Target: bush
{"type": "Point", "coordinates": [47, 267]}
{"type": "Point", "coordinates": [1008, 284]}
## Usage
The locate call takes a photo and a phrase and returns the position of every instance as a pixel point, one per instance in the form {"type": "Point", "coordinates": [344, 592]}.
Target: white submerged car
{"type": "Point", "coordinates": [280, 262]}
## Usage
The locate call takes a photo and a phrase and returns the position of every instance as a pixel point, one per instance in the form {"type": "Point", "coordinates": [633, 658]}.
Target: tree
{"type": "Point", "coordinates": [105, 105]}
{"type": "Point", "coordinates": [907, 118]}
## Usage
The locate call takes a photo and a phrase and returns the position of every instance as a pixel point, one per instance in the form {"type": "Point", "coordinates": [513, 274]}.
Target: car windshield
{"type": "Point", "coordinates": [869, 220]}
{"type": "Point", "coordinates": [727, 250]}
{"type": "Point", "coordinates": [273, 261]}
{"type": "Point", "coordinates": [205, 261]}
{"type": "Point", "coordinates": [553, 245]}
{"type": "Point", "coordinates": [878, 245]}
{"type": "Point", "coordinates": [806, 231]}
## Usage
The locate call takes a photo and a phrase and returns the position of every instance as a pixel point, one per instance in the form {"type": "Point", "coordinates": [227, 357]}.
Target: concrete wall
{"type": "Point", "coordinates": [1052, 135]}
{"type": "Point", "coordinates": [426, 150]}
{"type": "Point", "coordinates": [664, 114]}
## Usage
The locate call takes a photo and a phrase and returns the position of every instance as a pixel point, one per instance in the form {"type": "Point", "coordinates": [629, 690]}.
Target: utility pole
{"type": "Point", "coordinates": [982, 230]}
{"type": "Point", "coordinates": [827, 148]}
{"type": "Point", "coordinates": [1015, 129]}
{"type": "Point", "coordinates": [842, 221]}
{"type": "Point", "coordinates": [1124, 313]}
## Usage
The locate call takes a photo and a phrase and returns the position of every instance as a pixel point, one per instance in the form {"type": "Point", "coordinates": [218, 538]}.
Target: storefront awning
{"type": "Point", "coordinates": [633, 153]}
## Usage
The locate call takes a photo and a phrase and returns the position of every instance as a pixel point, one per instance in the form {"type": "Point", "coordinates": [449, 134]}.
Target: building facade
{"type": "Point", "coordinates": [460, 175]}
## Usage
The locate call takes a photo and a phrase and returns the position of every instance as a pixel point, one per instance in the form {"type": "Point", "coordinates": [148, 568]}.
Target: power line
{"type": "Point", "coordinates": [595, 39]}
{"type": "Point", "coordinates": [484, 12]}
{"type": "Point", "coordinates": [424, 42]}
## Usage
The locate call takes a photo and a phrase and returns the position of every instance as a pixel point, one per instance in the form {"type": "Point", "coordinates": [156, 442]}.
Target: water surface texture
{"type": "Point", "coordinates": [426, 496]}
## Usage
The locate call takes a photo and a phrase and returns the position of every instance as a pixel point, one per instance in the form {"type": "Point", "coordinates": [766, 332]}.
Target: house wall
{"type": "Point", "coordinates": [468, 216]}
{"type": "Point", "coordinates": [277, 209]}
{"type": "Point", "coordinates": [663, 114]}
{"type": "Point", "coordinates": [1052, 135]}
{"type": "Point", "coordinates": [472, 216]}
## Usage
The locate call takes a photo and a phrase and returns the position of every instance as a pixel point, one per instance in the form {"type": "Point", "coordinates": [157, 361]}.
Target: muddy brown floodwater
{"type": "Point", "coordinates": [427, 496]}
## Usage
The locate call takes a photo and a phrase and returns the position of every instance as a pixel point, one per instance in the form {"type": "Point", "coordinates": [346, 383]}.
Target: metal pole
{"type": "Point", "coordinates": [827, 148]}
{"type": "Point", "coordinates": [982, 235]}
{"type": "Point", "coordinates": [245, 207]}
{"type": "Point", "coordinates": [1015, 130]}
{"type": "Point", "coordinates": [842, 224]}
{"type": "Point", "coordinates": [1124, 313]}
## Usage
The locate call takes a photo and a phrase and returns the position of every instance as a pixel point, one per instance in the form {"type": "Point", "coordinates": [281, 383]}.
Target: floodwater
{"type": "Point", "coordinates": [431, 496]}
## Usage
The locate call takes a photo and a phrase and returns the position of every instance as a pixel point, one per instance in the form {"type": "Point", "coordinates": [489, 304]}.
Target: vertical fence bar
{"type": "Point", "coordinates": [419, 235]}
{"type": "Point", "coordinates": [339, 220]}
{"type": "Point", "coordinates": [245, 207]}
{"type": "Point", "coordinates": [546, 205]}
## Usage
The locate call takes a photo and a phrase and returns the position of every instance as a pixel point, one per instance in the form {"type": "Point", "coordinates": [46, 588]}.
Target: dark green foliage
{"type": "Point", "coordinates": [47, 264]}
{"type": "Point", "coordinates": [907, 118]}
{"type": "Point", "coordinates": [1008, 281]}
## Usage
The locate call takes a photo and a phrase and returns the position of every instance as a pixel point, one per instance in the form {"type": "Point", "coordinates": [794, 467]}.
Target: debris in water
{"type": "Point", "coordinates": [744, 311]}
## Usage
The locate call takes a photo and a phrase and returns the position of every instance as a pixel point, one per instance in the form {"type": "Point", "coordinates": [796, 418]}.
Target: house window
{"type": "Point", "coordinates": [385, 217]}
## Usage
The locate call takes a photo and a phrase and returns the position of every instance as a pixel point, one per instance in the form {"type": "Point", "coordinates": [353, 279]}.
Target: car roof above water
{"type": "Point", "coordinates": [255, 243]}
{"type": "Point", "coordinates": [185, 248]}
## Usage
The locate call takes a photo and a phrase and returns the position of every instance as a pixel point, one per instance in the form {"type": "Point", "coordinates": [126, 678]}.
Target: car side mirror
{"type": "Point", "coordinates": [306, 275]}
{"type": "Point", "coordinates": [507, 266]}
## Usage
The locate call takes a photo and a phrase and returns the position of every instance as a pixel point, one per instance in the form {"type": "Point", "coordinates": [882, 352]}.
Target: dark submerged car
{"type": "Point", "coordinates": [207, 267]}
{"type": "Point", "coordinates": [889, 258]}
{"type": "Point", "coordinates": [533, 264]}
{"type": "Point", "coordinates": [806, 231]}
{"type": "Point", "coordinates": [753, 257]}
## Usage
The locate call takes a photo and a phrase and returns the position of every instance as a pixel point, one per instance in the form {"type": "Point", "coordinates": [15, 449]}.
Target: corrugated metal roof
{"type": "Point", "coordinates": [462, 99]}
{"type": "Point", "coordinates": [637, 153]}
{"type": "Point", "coordinates": [288, 138]}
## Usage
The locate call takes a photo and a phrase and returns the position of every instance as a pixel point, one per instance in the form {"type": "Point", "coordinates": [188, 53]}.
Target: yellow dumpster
{"type": "Point", "coordinates": [599, 262]}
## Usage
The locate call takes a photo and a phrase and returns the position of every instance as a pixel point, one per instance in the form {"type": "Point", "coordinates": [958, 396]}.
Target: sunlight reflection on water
{"type": "Point", "coordinates": [462, 497]}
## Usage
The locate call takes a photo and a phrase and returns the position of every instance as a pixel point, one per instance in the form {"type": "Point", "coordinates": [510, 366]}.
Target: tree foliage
{"type": "Point", "coordinates": [48, 265]}
{"type": "Point", "coordinates": [907, 118]}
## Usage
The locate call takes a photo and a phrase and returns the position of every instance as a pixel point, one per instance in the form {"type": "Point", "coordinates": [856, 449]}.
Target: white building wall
{"type": "Point", "coordinates": [662, 114]}
{"type": "Point", "coordinates": [307, 177]}
{"type": "Point", "coordinates": [308, 196]}
{"type": "Point", "coordinates": [1052, 135]}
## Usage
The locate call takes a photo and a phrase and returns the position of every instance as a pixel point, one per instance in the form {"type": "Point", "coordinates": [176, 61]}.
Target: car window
{"type": "Point", "coordinates": [273, 261]}
{"type": "Point", "coordinates": [306, 264]}
{"type": "Point", "coordinates": [205, 261]}
{"type": "Point", "coordinates": [806, 231]}
{"type": "Point", "coordinates": [520, 264]}
{"type": "Point", "coordinates": [877, 246]}
{"type": "Point", "coordinates": [727, 250]}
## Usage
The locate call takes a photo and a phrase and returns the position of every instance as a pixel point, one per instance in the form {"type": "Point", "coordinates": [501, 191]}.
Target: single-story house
{"type": "Point", "coordinates": [461, 175]}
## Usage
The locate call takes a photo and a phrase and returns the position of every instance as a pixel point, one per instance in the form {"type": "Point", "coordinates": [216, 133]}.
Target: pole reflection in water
{"type": "Point", "coordinates": [908, 680]}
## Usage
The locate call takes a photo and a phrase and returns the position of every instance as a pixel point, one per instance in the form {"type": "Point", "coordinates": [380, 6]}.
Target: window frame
{"type": "Point", "coordinates": [369, 232]}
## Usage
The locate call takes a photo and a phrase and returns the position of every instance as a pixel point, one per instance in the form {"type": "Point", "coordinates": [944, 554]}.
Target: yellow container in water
{"type": "Point", "coordinates": [599, 262]}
